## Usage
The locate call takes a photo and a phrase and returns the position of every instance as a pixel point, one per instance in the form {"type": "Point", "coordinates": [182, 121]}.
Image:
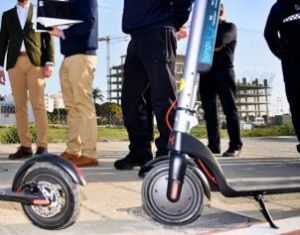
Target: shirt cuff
{"type": "Point", "coordinates": [1, 68]}
{"type": "Point", "coordinates": [63, 37]}
{"type": "Point", "coordinates": [47, 63]}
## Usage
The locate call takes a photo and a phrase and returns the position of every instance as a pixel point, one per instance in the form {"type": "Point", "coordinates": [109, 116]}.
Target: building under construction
{"type": "Point", "coordinates": [252, 97]}
{"type": "Point", "coordinates": [115, 79]}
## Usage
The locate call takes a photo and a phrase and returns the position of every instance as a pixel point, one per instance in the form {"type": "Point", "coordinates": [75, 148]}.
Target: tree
{"type": "Point", "coordinates": [97, 95]}
{"type": "Point", "coordinates": [110, 109]}
{"type": "Point", "coordinates": [109, 113]}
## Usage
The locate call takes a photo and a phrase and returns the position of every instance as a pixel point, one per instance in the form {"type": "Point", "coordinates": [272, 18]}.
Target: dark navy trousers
{"type": "Point", "coordinates": [149, 86]}
{"type": "Point", "coordinates": [222, 84]}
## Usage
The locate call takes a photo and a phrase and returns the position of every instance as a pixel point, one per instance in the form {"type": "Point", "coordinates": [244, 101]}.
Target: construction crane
{"type": "Point", "coordinates": [109, 40]}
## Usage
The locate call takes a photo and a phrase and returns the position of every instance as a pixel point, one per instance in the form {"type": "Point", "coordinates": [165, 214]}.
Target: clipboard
{"type": "Point", "coordinates": [52, 13]}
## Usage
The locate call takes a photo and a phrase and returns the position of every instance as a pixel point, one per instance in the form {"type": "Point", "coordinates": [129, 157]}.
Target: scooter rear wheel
{"type": "Point", "coordinates": [156, 204]}
{"type": "Point", "coordinates": [58, 187]}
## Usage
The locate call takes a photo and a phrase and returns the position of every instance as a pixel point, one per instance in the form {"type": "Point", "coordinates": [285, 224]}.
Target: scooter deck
{"type": "Point", "coordinates": [262, 174]}
{"type": "Point", "coordinates": [6, 194]}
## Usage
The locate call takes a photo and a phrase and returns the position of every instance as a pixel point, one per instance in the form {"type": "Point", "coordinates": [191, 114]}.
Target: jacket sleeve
{"type": "Point", "coordinates": [227, 36]}
{"type": "Point", "coordinates": [181, 11]}
{"type": "Point", "coordinates": [48, 48]}
{"type": "Point", "coordinates": [88, 8]}
{"type": "Point", "coordinates": [271, 32]}
{"type": "Point", "coordinates": [3, 40]}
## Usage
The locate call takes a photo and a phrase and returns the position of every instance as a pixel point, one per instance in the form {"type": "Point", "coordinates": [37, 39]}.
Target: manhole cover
{"type": "Point", "coordinates": [211, 219]}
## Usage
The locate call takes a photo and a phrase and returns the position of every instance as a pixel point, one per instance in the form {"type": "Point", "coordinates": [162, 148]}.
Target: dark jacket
{"type": "Point", "coordinates": [143, 14]}
{"type": "Point", "coordinates": [282, 30]}
{"type": "Point", "coordinates": [39, 46]}
{"type": "Point", "coordinates": [226, 43]}
{"type": "Point", "coordinates": [82, 38]}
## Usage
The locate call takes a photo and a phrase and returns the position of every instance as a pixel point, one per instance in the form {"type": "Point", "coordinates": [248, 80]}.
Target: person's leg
{"type": "Point", "coordinates": [209, 104]}
{"type": "Point", "coordinates": [74, 141]}
{"type": "Point", "coordinates": [292, 87]}
{"type": "Point", "coordinates": [36, 87]}
{"type": "Point", "coordinates": [158, 52]}
{"type": "Point", "coordinates": [149, 111]}
{"type": "Point", "coordinates": [226, 91]}
{"type": "Point", "coordinates": [17, 77]}
{"type": "Point", "coordinates": [134, 110]}
{"type": "Point", "coordinates": [81, 75]}
{"type": "Point", "coordinates": [293, 97]}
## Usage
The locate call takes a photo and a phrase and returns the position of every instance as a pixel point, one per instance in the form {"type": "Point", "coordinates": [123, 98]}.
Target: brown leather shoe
{"type": "Point", "coordinates": [84, 161]}
{"type": "Point", "coordinates": [69, 156]}
{"type": "Point", "coordinates": [22, 152]}
{"type": "Point", "coordinates": [41, 150]}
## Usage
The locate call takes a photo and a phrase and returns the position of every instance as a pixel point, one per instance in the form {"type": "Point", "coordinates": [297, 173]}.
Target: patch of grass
{"type": "Point", "coordinates": [112, 133]}
{"type": "Point", "coordinates": [283, 130]}
{"type": "Point", "coordinates": [200, 132]}
{"type": "Point", "coordinates": [59, 134]}
{"type": "Point", "coordinates": [9, 134]}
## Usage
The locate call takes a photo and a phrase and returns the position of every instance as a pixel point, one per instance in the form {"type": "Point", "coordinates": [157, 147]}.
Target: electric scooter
{"type": "Point", "coordinates": [174, 186]}
{"type": "Point", "coordinates": [47, 186]}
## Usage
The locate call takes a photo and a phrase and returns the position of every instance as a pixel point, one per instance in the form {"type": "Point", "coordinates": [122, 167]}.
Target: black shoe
{"type": "Point", "coordinates": [41, 150]}
{"type": "Point", "coordinates": [214, 150]}
{"type": "Point", "coordinates": [133, 159]}
{"type": "Point", "coordinates": [298, 148]}
{"type": "Point", "coordinates": [22, 152]}
{"type": "Point", "coordinates": [231, 152]}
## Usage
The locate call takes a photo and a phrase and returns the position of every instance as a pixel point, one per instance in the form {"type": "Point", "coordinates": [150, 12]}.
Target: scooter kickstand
{"type": "Point", "coordinates": [264, 210]}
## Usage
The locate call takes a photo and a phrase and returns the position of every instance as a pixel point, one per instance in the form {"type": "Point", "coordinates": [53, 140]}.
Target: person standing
{"type": "Point", "coordinates": [220, 81]}
{"type": "Point", "coordinates": [78, 45]}
{"type": "Point", "coordinates": [282, 33]}
{"type": "Point", "coordinates": [29, 61]}
{"type": "Point", "coordinates": [150, 64]}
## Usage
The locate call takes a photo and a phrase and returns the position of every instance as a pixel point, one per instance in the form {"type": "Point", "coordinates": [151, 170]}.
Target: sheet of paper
{"type": "Point", "coordinates": [52, 22]}
{"type": "Point", "coordinates": [42, 22]}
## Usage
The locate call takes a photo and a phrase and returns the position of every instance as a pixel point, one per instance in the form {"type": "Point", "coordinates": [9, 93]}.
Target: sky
{"type": "Point", "coordinates": [253, 58]}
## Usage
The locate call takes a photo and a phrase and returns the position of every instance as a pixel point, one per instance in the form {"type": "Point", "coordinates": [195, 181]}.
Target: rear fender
{"type": "Point", "coordinates": [60, 162]}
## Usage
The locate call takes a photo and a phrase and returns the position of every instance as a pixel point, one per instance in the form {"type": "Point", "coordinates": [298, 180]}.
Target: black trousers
{"type": "Point", "coordinates": [222, 84]}
{"type": "Point", "coordinates": [149, 85]}
{"type": "Point", "coordinates": [291, 74]}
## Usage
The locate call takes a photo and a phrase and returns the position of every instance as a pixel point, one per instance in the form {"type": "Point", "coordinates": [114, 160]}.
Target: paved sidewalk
{"type": "Point", "coordinates": [111, 202]}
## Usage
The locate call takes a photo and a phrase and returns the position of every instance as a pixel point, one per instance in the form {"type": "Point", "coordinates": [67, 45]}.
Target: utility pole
{"type": "Point", "coordinates": [107, 40]}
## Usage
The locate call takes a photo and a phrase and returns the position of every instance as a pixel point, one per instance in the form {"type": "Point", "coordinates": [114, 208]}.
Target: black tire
{"type": "Point", "coordinates": [156, 204]}
{"type": "Point", "coordinates": [65, 209]}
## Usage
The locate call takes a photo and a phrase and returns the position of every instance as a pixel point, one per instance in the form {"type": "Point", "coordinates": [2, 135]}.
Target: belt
{"type": "Point", "coordinates": [143, 31]}
{"type": "Point", "coordinates": [23, 53]}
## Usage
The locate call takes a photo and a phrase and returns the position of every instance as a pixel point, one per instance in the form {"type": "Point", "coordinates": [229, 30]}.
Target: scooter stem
{"type": "Point", "coordinates": [190, 82]}
{"type": "Point", "coordinates": [186, 102]}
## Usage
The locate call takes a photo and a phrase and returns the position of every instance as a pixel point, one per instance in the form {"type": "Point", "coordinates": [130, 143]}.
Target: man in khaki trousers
{"type": "Point", "coordinates": [29, 61]}
{"type": "Point", "coordinates": [78, 45]}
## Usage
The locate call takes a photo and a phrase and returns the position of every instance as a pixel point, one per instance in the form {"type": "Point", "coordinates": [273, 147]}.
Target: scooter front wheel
{"type": "Point", "coordinates": [58, 187]}
{"type": "Point", "coordinates": [156, 204]}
